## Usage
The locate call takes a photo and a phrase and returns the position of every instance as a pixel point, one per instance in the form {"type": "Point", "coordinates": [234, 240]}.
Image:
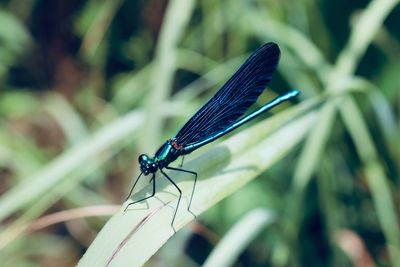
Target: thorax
{"type": "Point", "coordinates": [167, 153]}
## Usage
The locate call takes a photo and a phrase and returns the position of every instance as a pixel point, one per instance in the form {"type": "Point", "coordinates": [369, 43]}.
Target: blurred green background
{"type": "Point", "coordinates": [70, 71]}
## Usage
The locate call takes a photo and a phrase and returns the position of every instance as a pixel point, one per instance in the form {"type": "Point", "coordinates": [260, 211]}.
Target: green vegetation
{"type": "Point", "coordinates": [87, 86]}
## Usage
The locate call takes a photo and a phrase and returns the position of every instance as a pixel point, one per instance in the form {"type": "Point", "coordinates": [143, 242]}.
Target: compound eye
{"type": "Point", "coordinates": [143, 158]}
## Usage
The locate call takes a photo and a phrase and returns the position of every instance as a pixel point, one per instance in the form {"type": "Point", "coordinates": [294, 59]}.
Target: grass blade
{"type": "Point", "coordinates": [131, 238]}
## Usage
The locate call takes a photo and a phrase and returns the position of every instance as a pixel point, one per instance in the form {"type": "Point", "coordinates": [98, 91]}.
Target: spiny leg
{"type": "Point", "coordinates": [130, 192]}
{"type": "Point", "coordinates": [183, 158]}
{"type": "Point", "coordinates": [179, 199]}
{"type": "Point", "coordinates": [194, 185]}
{"type": "Point", "coordinates": [152, 193]}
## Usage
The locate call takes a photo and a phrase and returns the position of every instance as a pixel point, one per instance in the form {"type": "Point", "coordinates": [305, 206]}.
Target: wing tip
{"type": "Point", "coordinates": [267, 54]}
{"type": "Point", "coordinates": [271, 47]}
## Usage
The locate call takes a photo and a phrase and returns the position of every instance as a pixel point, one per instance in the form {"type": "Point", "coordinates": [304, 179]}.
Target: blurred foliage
{"type": "Point", "coordinates": [87, 86]}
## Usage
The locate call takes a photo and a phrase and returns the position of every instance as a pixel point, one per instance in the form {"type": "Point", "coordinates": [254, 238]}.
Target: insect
{"type": "Point", "coordinates": [219, 116]}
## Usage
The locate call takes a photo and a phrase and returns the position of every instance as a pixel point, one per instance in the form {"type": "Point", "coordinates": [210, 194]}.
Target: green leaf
{"type": "Point", "coordinates": [58, 170]}
{"type": "Point", "coordinates": [238, 238]}
{"type": "Point", "coordinates": [130, 238]}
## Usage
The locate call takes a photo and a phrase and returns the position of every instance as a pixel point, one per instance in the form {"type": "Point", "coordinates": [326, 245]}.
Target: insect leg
{"type": "Point", "coordinates": [152, 193]}
{"type": "Point", "coordinates": [194, 185]}
{"type": "Point", "coordinates": [179, 199]}
{"type": "Point", "coordinates": [183, 158]}
{"type": "Point", "coordinates": [130, 192]}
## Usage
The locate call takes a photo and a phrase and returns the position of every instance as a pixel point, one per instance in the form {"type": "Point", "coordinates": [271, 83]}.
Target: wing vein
{"type": "Point", "coordinates": [234, 97]}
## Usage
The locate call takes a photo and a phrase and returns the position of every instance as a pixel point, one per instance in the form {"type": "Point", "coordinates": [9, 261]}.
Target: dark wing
{"type": "Point", "coordinates": [234, 98]}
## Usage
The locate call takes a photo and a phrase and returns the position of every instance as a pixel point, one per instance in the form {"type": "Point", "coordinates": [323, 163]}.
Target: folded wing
{"type": "Point", "coordinates": [234, 97]}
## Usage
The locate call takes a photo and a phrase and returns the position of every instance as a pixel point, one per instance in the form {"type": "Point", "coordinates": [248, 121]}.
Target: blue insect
{"type": "Point", "coordinates": [219, 116]}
